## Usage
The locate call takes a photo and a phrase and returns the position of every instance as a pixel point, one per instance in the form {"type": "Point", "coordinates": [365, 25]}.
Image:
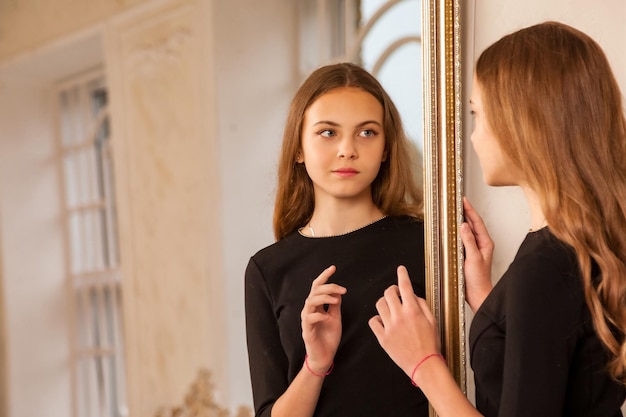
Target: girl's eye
{"type": "Point", "coordinates": [367, 133]}
{"type": "Point", "coordinates": [326, 133]}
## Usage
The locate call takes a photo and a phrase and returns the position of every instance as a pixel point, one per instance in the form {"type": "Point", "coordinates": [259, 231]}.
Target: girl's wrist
{"type": "Point", "coordinates": [325, 371]}
{"type": "Point", "coordinates": [426, 365]}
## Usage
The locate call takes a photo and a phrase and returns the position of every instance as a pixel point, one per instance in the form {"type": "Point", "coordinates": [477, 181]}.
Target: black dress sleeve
{"type": "Point", "coordinates": [267, 360]}
{"type": "Point", "coordinates": [543, 315]}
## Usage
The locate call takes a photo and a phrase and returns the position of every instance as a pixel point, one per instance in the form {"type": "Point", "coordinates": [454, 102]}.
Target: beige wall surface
{"type": "Point", "coordinates": [27, 24]}
{"type": "Point", "coordinates": [178, 140]}
{"type": "Point", "coordinates": [160, 84]}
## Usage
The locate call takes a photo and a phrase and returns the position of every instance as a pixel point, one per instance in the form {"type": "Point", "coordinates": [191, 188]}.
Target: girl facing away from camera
{"type": "Point", "coordinates": [348, 212]}
{"type": "Point", "coordinates": [548, 338]}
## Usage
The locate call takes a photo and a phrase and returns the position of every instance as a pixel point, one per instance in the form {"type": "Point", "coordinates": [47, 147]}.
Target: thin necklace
{"type": "Point", "coordinates": [310, 227]}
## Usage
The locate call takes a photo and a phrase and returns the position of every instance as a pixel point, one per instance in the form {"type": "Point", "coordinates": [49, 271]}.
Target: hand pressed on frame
{"type": "Point", "coordinates": [478, 257]}
{"type": "Point", "coordinates": [321, 328]}
{"type": "Point", "coordinates": [405, 327]}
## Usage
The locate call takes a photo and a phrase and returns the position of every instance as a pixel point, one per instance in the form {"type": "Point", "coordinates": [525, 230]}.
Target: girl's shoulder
{"type": "Point", "coordinates": [404, 222]}
{"type": "Point", "coordinates": [542, 248]}
{"type": "Point", "coordinates": [545, 267]}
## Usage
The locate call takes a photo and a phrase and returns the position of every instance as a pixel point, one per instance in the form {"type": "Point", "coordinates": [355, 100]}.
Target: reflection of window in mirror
{"type": "Point", "coordinates": [383, 36]}
{"type": "Point", "coordinates": [93, 270]}
{"type": "Point", "coordinates": [392, 51]}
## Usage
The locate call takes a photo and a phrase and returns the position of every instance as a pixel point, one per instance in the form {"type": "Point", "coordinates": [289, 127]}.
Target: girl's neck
{"type": "Point", "coordinates": [537, 217]}
{"type": "Point", "coordinates": [333, 221]}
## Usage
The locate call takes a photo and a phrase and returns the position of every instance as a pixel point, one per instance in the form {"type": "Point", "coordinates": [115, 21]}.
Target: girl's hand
{"type": "Point", "coordinates": [478, 257]}
{"type": "Point", "coordinates": [321, 327]}
{"type": "Point", "coordinates": [405, 327]}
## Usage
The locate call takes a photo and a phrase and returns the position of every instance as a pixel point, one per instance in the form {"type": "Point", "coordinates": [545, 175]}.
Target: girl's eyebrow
{"type": "Point", "coordinates": [331, 123]}
{"type": "Point", "coordinates": [326, 122]}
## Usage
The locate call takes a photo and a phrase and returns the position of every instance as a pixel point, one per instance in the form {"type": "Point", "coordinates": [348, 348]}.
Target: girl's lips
{"type": "Point", "coordinates": [345, 172]}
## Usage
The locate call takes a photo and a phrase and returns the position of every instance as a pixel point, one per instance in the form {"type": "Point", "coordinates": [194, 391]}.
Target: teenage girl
{"type": "Point", "coordinates": [548, 338]}
{"type": "Point", "coordinates": [348, 212]}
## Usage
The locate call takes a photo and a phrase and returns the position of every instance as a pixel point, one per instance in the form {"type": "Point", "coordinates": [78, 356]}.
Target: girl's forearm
{"type": "Point", "coordinates": [301, 396]}
{"type": "Point", "coordinates": [435, 380]}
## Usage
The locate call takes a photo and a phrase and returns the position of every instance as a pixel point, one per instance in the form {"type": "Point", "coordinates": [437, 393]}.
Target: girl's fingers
{"type": "Point", "coordinates": [409, 299]}
{"type": "Point", "coordinates": [396, 295]}
{"type": "Point", "coordinates": [376, 324]}
{"type": "Point", "coordinates": [469, 212]}
{"type": "Point", "coordinates": [334, 309]}
{"type": "Point", "coordinates": [469, 241]}
{"type": "Point", "coordinates": [330, 294]}
{"type": "Point", "coordinates": [321, 299]}
{"type": "Point", "coordinates": [323, 277]}
{"type": "Point", "coordinates": [404, 285]}
{"type": "Point", "coordinates": [392, 298]}
{"type": "Point", "coordinates": [395, 298]}
{"type": "Point", "coordinates": [328, 289]}
{"type": "Point", "coordinates": [319, 284]}
{"type": "Point", "coordinates": [324, 300]}
{"type": "Point", "coordinates": [472, 217]}
{"type": "Point", "coordinates": [477, 227]}
{"type": "Point", "coordinates": [322, 293]}
{"type": "Point", "coordinates": [383, 309]}
{"type": "Point", "coordinates": [423, 305]}
{"type": "Point", "coordinates": [314, 318]}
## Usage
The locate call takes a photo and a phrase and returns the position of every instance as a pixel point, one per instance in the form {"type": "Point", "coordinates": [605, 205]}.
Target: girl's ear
{"type": "Point", "coordinates": [299, 157]}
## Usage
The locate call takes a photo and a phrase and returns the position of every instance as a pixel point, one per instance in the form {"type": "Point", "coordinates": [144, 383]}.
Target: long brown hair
{"type": "Point", "coordinates": [395, 190]}
{"type": "Point", "coordinates": [554, 105]}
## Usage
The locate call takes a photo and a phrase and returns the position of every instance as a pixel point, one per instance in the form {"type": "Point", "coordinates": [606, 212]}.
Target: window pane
{"type": "Point", "coordinates": [93, 270]}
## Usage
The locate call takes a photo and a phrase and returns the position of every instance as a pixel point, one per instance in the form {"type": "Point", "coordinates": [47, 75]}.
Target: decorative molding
{"type": "Point", "coordinates": [200, 401]}
{"type": "Point", "coordinates": [444, 178]}
{"type": "Point", "coordinates": [166, 160]}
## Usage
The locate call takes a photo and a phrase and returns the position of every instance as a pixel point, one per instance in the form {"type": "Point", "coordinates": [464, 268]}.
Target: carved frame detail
{"type": "Point", "coordinates": [443, 173]}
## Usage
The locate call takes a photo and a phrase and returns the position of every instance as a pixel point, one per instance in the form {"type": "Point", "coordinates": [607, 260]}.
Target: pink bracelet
{"type": "Point", "coordinates": [421, 362]}
{"type": "Point", "coordinates": [306, 363]}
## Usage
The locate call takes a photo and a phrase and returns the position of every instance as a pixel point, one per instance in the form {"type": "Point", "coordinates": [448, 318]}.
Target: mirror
{"type": "Point", "coordinates": [388, 44]}
{"type": "Point", "coordinates": [435, 128]}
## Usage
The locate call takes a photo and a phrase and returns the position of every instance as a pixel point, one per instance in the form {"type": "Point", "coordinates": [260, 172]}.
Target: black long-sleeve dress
{"type": "Point", "coordinates": [533, 347]}
{"type": "Point", "coordinates": [364, 381]}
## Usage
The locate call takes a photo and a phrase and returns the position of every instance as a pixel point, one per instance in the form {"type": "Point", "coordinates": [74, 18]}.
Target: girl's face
{"type": "Point", "coordinates": [498, 169]}
{"type": "Point", "coordinates": [343, 143]}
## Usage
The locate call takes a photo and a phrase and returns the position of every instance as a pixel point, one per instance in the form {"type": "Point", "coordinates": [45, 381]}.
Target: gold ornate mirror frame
{"type": "Point", "coordinates": [443, 177]}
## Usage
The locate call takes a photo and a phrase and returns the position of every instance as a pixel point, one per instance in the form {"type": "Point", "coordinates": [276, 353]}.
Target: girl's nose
{"type": "Point", "coordinates": [347, 148]}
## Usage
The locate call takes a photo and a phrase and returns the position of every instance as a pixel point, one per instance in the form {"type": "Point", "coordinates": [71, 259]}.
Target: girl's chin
{"type": "Point", "coordinates": [494, 182]}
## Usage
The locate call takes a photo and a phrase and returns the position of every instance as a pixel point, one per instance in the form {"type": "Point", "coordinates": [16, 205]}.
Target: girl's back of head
{"type": "Point", "coordinates": [555, 107]}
